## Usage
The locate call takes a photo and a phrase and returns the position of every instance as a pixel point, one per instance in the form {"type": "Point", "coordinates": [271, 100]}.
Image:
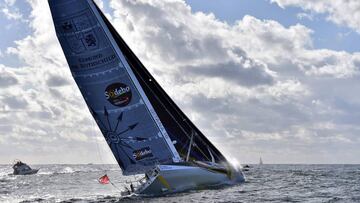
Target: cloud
{"type": "Point", "coordinates": [343, 13]}
{"type": "Point", "coordinates": [291, 49]}
{"type": "Point", "coordinates": [11, 15]}
{"type": "Point", "coordinates": [42, 89]}
{"type": "Point", "coordinates": [10, 2]}
{"type": "Point", "coordinates": [7, 78]}
{"type": "Point", "coordinates": [56, 81]}
{"type": "Point", "coordinates": [329, 63]}
{"type": "Point", "coordinates": [10, 11]}
{"type": "Point", "coordinates": [15, 102]}
{"type": "Point", "coordinates": [175, 38]}
{"type": "Point", "coordinates": [302, 16]}
{"type": "Point", "coordinates": [247, 76]}
{"type": "Point", "coordinates": [205, 71]}
{"type": "Point", "coordinates": [253, 87]}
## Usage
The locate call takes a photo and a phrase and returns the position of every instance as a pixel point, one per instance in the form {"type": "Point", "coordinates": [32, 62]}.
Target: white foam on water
{"type": "Point", "coordinates": [67, 170]}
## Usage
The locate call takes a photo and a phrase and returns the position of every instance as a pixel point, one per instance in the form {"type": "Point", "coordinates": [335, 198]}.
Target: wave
{"type": "Point", "coordinates": [5, 172]}
{"type": "Point", "coordinates": [75, 199]}
{"type": "Point", "coordinates": [70, 170]}
{"type": "Point", "coordinates": [106, 198]}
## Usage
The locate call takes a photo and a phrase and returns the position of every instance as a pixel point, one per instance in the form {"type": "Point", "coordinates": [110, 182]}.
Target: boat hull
{"type": "Point", "coordinates": [28, 172]}
{"type": "Point", "coordinates": [23, 169]}
{"type": "Point", "coordinates": [175, 178]}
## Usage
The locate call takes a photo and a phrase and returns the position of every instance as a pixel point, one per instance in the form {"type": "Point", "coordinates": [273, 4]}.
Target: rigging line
{"type": "Point", "coordinates": [190, 145]}
{"type": "Point", "coordinates": [176, 110]}
{"type": "Point", "coordinates": [120, 40]}
{"type": "Point", "coordinates": [98, 150]}
{"type": "Point", "coordinates": [192, 130]}
{"type": "Point", "coordinates": [114, 186]}
{"type": "Point", "coordinates": [170, 102]}
{"type": "Point", "coordinates": [184, 146]}
{"type": "Point", "coordinates": [184, 119]}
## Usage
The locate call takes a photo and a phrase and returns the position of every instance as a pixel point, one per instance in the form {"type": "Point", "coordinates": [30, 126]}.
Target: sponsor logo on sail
{"type": "Point", "coordinates": [118, 94]}
{"type": "Point", "coordinates": [90, 40]}
{"type": "Point", "coordinates": [142, 153]}
{"type": "Point", "coordinates": [67, 26]}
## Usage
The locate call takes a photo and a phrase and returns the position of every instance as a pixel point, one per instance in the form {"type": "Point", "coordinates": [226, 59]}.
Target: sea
{"type": "Point", "coordinates": [264, 183]}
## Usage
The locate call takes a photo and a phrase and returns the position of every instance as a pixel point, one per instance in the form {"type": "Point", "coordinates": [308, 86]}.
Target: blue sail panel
{"type": "Point", "coordinates": [114, 97]}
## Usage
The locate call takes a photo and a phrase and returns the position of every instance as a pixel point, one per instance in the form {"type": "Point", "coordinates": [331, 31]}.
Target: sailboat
{"type": "Point", "coordinates": [146, 131]}
{"type": "Point", "coordinates": [261, 161]}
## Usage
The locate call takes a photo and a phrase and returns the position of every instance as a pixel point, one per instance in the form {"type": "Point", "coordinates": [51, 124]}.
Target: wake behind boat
{"type": "Point", "coordinates": [146, 131]}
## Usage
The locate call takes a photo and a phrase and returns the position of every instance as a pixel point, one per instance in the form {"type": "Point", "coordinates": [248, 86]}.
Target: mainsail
{"type": "Point", "coordinates": [141, 124]}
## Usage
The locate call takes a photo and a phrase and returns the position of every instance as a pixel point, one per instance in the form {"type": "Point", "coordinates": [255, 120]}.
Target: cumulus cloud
{"type": "Point", "coordinates": [253, 87]}
{"type": "Point", "coordinates": [213, 84]}
{"type": "Point", "coordinates": [15, 102]}
{"type": "Point", "coordinates": [56, 81]}
{"type": "Point", "coordinates": [7, 78]}
{"type": "Point", "coordinates": [10, 11]}
{"type": "Point", "coordinates": [236, 72]}
{"type": "Point", "coordinates": [12, 15]}
{"type": "Point", "coordinates": [42, 90]}
{"type": "Point", "coordinates": [329, 63]}
{"type": "Point", "coordinates": [341, 12]}
{"type": "Point", "coordinates": [302, 16]}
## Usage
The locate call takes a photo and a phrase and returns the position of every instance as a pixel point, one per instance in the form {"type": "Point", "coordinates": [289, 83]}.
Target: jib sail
{"type": "Point", "coordinates": [114, 96]}
{"type": "Point", "coordinates": [176, 123]}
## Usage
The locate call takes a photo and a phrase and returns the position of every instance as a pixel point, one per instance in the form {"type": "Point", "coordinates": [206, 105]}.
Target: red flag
{"type": "Point", "coordinates": [104, 179]}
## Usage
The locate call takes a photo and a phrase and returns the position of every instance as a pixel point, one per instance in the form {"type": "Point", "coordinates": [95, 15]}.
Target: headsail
{"type": "Point", "coordinates": [112, 92]}
{"type": "Point", "coordinates": [177, 124]}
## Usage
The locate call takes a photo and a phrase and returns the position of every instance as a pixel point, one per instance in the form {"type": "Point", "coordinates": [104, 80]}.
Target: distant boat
{"type": "Point", "coordinates": [21, 168]}
{"type": "Point", "coordinates": [144, 128]}
{"type": "Point", "coordinates": [261, 161]}
{"type": "Point", "coordinates": [246, 168]}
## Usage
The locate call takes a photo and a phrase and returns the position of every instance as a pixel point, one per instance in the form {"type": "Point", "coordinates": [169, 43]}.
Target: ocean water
{"type": "Point", "coordinates": [265, 183]}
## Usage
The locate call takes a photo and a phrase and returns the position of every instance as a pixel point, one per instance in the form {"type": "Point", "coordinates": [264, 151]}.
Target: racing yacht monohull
{"type": "Point", "coordinates": [145, 130]}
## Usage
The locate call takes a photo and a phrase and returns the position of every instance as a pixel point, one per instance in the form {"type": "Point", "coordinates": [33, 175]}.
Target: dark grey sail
{"type": "Point", "coordinates": [176, 123]}
{"type": "Point", "coordinates": [114, 96]}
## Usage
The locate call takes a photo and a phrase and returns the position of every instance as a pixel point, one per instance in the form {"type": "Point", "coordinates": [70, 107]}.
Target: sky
{"type": "Point", "coordinates": [277, 79]}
